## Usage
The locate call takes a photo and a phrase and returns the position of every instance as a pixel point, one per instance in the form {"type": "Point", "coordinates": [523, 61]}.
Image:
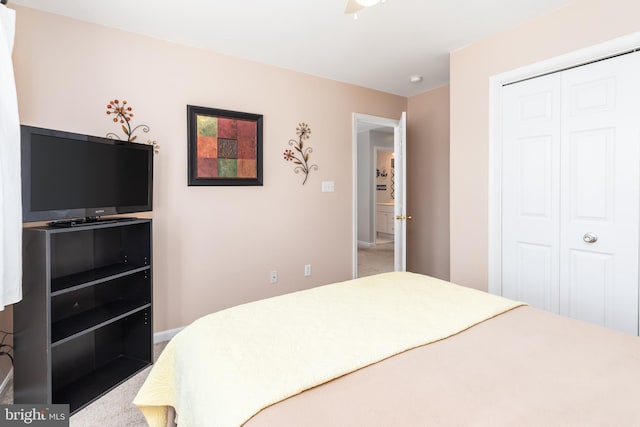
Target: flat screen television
{"type": "Point", "coordinates": [69, 176]}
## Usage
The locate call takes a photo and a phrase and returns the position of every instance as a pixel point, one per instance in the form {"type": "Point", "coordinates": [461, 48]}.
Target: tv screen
{"type": "Point", "coordinates": [67, 175]}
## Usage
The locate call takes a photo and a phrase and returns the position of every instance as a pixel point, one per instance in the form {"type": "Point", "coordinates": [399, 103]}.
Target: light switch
{"type": "Point", "coordinates": [328, 186]}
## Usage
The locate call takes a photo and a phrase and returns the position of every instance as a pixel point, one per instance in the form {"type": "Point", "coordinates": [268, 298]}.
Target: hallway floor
{"type": "Point", "coordinates": [375, 260]}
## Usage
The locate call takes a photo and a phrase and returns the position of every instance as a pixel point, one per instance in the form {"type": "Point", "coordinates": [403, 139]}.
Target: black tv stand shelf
{"type": "Point", "coordinates": [67, 329]}
{"type": "Point", "coordinates": [92, 385]}
{"type": "Point", "coordinates": [84, 325]}
{"type": "Point", "coordinates": [91, 277]}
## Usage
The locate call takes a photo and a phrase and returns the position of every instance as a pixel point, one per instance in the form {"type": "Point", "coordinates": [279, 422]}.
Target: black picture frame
{"type": "Point", "coordinates": [225, 147]}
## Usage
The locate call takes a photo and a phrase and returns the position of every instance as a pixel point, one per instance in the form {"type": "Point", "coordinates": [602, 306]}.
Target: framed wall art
{"type": "Point", "coordinates": [225, 147]}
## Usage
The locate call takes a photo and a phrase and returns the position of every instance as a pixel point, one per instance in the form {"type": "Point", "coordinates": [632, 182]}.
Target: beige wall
{"type": "Point", "coordinates": [428, 183]}
{"type": "Point", "coordinates": [582, 24]}
{"type": "Point", "coordinates": [213, 246]}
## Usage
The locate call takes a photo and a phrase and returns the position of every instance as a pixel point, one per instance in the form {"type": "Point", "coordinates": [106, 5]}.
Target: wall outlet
{"type": "Point", "coordinates": [273, 277]}
{"type": "Point", "coordinates": [307, 270]}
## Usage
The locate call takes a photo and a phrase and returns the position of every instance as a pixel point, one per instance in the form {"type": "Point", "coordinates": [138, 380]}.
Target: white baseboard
{"type": "Point", "coordinates": [163, 336]}
{"type": "Point", "coordinates": [365, 245]}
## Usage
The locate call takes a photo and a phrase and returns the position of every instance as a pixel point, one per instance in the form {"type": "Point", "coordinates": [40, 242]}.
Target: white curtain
{"type": "Point", "coordinates": [10, 202]}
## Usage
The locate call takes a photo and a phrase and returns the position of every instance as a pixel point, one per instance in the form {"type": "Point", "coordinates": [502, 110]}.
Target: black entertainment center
{"type": "Point", "coordinates": [85, 322]}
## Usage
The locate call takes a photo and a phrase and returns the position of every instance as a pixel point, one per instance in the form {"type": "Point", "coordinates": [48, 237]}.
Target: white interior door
{"type": "Point", "coordinates": [400, 206]}
{"type": "Point", "coordinates": [571, 174]}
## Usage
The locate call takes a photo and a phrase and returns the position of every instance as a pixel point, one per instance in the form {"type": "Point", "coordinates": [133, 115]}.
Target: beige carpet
{"type": "Point", "coordinates": [376, 259]}
{"type": "Point", "coordinates": [114, 409]}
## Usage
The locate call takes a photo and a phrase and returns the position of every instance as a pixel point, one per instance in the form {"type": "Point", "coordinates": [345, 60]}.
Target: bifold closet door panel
{"type": "Point", "coordinates": [530, 186]}
{"type": "Point", "coordinates": [600, 187]}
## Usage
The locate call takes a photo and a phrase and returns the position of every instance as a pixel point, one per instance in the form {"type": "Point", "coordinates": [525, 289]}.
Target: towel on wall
{"type": "Point", "coordinates": [10, 202]}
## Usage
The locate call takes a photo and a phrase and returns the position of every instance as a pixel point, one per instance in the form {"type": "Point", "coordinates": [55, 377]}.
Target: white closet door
{"type": "Point", "coordinates": [530, 186]}
{"type": "Point", "coordinates": [571, 192]}
{"type": "Point", "coordinates": [600, 178]}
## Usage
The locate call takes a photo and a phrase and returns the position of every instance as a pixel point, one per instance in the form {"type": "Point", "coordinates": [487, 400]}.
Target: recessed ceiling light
{"type": "Point", "coordinates": [415, 79]}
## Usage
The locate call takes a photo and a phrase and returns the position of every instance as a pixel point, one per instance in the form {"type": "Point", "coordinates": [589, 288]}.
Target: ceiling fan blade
{"type": "Point", "coordinates": [352, 7]}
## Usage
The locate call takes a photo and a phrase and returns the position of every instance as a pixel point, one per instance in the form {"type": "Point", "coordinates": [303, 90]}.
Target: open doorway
{"type": "Point", "coordinates": [375, 195]}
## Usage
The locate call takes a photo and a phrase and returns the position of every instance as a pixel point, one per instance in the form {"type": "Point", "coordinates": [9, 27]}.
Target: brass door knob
{"type": "Point", "coordinates": [403, 217]}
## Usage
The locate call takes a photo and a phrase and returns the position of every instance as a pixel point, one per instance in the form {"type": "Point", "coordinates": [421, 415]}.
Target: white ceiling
{"type": "Point", "coordinates": [387, 44]}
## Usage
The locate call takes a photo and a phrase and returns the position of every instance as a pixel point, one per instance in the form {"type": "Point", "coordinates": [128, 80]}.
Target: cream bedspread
{"type": "Point", "coordinates": [227, 366]}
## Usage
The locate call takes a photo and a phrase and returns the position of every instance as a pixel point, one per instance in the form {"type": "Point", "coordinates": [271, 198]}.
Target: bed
{"type": "Point", "coordinates": [397, 349]}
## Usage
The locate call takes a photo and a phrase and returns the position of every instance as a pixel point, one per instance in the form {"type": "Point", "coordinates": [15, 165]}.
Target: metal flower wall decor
{"type": "Point", "coordinates": [122, 113]}
{"type": "Point", "coordinates": [299, 155]}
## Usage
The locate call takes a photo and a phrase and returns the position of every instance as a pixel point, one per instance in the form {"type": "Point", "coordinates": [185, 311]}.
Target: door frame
{"type": "Point", "coordinates": [356, 119]}
{"type": "Point", "coordinates": [573, 59]}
